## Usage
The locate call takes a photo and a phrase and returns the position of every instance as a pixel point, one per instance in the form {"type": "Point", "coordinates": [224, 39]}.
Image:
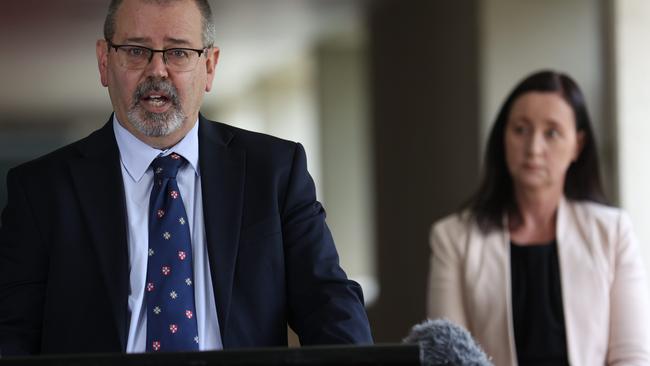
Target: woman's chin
{"type": "Point", "coordinates": [533, 183]}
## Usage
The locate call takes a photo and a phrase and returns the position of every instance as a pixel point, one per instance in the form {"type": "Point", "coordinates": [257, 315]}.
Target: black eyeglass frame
{"type": "Point", "coordinates": [153, 51]}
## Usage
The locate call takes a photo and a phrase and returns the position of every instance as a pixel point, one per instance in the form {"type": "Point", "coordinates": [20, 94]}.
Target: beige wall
{"type": "Point", "coordinates": [631, 28]}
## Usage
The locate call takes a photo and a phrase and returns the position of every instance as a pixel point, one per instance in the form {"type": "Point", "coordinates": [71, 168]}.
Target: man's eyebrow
{"type": "Point", "coordinates": [177, 41]}
{"type": "Point", "coordinates": [138, 40]}
{"type": "Point", "coordinates": [167, 40]}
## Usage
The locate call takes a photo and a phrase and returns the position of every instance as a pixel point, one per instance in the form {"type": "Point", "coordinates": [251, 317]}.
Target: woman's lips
{"type": "Point", "coordinates": [533, 166]}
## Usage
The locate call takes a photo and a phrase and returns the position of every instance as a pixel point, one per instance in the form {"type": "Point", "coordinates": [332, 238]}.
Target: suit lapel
{"type": "Point", "coordinates": [222, 183]}
{"type": "Point", "coordinates": [572, 249]}
{"type": "Point", "coordinates": [98, 181]}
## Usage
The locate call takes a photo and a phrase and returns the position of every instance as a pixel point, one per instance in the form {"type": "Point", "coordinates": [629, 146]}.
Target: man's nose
{"type": "Point", "coordinates": [157, 66]}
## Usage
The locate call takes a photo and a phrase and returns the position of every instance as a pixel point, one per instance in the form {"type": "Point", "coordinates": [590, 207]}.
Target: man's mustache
{"type": "Point", "coordinates": [162, 86]}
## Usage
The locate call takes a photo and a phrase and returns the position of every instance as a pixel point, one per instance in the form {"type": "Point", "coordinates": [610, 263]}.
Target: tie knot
{"type": "Point", "coordinates": [167, 166]}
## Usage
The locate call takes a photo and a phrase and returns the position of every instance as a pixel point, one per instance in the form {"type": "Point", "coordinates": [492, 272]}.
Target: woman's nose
{"type": "Point", "coordinates": [536, 143]}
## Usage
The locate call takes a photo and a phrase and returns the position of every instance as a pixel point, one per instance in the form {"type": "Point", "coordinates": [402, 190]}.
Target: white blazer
{"type": "Point", "coordinates": [604, 289]}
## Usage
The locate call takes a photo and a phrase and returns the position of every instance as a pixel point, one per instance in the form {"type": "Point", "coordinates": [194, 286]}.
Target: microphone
{"type": "Point", "coordinates": [445, 343]}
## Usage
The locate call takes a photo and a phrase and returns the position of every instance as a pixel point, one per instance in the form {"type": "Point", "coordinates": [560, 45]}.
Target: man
{"type": "Point", "coordinates": [163, 231]}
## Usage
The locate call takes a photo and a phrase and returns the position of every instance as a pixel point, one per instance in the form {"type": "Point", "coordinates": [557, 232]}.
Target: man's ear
{"type": "Point", "coordinates": [212, 57]}
{"type": "Point", "coordinates": [101, 48]}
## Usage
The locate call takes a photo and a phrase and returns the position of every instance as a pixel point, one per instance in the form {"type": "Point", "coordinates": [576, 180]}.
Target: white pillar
{"type": "Point", "coordinates": [631, 30]}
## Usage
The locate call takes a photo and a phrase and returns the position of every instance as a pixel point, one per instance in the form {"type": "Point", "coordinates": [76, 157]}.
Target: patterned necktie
{"type": "Point", "coordinates": [171, 320]}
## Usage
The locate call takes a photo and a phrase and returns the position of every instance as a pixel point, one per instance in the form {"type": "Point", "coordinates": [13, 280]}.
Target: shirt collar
{"type": "Point", "coordinates": [136, 156]}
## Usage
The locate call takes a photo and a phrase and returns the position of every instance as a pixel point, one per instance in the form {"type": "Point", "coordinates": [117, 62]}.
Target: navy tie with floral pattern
{"type": "Point", "coordinates": [169, 295]}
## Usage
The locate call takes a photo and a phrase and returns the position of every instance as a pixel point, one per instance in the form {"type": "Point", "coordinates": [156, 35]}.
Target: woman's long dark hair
{"type": "Point", "coordinates": [495, 194]}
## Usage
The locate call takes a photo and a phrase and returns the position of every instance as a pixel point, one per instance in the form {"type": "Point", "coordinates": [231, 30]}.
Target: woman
{"type": "Point", "coordinates": [538, 269]}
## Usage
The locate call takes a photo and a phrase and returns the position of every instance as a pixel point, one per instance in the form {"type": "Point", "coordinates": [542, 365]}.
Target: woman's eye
{"type": "Point", "coordinates": [552, 133]}
{"type": "Point", "coordinates": [520, 129]}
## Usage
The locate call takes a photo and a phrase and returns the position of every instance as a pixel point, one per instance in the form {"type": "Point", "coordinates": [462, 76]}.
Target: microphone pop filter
{"type": "Point", "coordinates": [445, 343]}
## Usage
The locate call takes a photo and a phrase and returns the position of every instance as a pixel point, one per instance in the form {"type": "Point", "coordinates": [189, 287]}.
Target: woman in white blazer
{"type": "Point", "coordinates": [536, 267]}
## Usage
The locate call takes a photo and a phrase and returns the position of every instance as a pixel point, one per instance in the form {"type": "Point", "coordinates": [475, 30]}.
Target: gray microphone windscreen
{"type": "Point", "coordinates": [445, 343]}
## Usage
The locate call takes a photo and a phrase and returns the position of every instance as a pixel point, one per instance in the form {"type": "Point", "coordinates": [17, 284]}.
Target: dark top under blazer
{"type": "Point", "coordinates": [64, 268]}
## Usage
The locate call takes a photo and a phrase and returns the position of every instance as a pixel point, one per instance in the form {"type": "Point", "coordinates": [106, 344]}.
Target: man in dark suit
{"type": "Point", "coordinates": [78, 238]}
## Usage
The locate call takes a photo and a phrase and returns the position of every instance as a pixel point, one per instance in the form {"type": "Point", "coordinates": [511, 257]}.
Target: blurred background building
{"type": "Point", "coordinates": [392, 100]}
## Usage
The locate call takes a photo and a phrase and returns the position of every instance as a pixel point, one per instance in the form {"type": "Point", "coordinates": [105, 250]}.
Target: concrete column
{"type": "Point", "coordinates": [424, 97]}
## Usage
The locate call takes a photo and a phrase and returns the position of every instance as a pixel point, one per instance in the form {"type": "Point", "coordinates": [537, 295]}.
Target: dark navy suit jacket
{"type": "Point", "coordinates": [64, 272]}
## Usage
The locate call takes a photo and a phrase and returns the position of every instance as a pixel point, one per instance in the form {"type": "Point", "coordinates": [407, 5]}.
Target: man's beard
{"type": "Point", "coordinates": [156, 124]}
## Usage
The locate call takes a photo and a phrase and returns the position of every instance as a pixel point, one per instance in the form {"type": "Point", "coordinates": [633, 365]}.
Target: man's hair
{"type": "Point", "coordinates": [208, 33]}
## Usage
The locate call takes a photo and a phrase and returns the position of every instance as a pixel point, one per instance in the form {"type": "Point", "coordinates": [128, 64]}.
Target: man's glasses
{"type": "Point", "coordinates": [138, 57]}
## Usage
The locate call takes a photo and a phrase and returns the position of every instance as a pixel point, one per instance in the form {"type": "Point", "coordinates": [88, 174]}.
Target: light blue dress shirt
{"type": "Point", "coordinates": [135, 158]}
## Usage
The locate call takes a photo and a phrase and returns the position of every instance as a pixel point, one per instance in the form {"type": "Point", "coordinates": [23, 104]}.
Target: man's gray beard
{"type": "Point", "coordinates": [156, 124]}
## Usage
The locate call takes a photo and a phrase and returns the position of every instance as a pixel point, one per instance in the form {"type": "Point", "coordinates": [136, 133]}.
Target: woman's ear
{"type": "Point", "coordinates": [580, 144]}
